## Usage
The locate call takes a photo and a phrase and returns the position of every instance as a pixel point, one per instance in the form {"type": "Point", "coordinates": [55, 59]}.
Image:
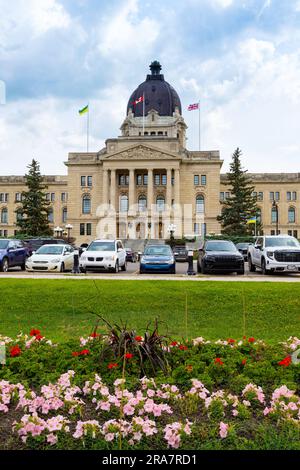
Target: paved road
{"type": "Point", "coordinates": [133, 273]}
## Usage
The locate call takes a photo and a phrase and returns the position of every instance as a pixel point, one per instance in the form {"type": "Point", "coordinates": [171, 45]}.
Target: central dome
{"type": "Point", "coordinates": [159, 95]}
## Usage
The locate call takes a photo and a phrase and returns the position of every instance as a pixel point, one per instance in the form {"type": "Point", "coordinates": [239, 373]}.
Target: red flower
{"type": "Point", "coordinates": [174, 343]}
{"type": "Point", "coordinates": [75, 354]}
{"type": "Point", "coordinates": [244, 362]}
{"type": "Point", "coordinates": [286, 361]}
{"type": "Point", "coordinates": [35, 332]}
{"type": "Point", "coordinates": [112, 366]}
{"type": "Point", "coordinates": [244, 337]}
{"type": "Point", "coordinates": [138, 338]}
{"type": "Point", "coordinates": [251, 340]}
{"type": "Point", "coordinates": [128, 356]}
{"type": "Point", "coordinates": [231, 341]}
{"type": "Point", "coordinates": [38, 337]}
{"type": "Point", "coordinates": [183, 348]}
{"type": "Point", "coordinates": [218, 361]}
{"type": "Point", "coordinates": [15, 351]}
{"type": "Point", "coordinates": [94, 335]}
{"type": "Point", "coordinates": [189, 368]}
{"type": "Point", "coordinates": [84, 352]}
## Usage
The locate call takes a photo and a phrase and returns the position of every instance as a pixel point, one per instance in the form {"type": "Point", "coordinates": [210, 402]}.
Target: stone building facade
{"type": "Point", "coordinates": [145, 181]}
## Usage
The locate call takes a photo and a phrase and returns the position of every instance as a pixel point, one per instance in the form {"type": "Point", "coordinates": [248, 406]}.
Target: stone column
{"type": "Point", "coordinates": [131, 200]}
{"type": "Point", "coordinates": [105, 187]}
{"type": "Point", "coordinates": [169, 189]}
{"type": "Point", "coordinates": [113, 190]}
{"type": "Point", "coordinates": [177, 186]}
{"type": "Point", "coordinates": [150, 190]}
{"type": "Point", "coordinates": [177, 211]}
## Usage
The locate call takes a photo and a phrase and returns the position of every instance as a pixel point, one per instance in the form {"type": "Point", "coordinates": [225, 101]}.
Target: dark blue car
{"type": "Point", "coordinates": [158, 258]}
{"type": "Point", "coordinates": [12, 253]}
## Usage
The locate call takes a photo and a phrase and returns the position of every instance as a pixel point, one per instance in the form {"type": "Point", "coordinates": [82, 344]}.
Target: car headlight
{"type": "Point", "coordinates": [210, 258]}
{"type": "Point", "coordinates": [143, 260]}
{"type": "Point", "coordinates": [170, 260]}
{"type": "Point", "coordinates": [270, 254]}
{"type": "Point", "coordinates": [56, 260]}
{"type": "Point", "coordinates": [110, 258]}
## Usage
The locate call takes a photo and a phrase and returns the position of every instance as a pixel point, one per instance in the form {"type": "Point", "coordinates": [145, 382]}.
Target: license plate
{"type": "Point", "coordinates": [292, 267]}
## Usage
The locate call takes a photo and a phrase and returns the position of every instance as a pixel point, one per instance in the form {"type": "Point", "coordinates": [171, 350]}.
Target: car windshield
{"type": "Point", "coordinates": [220, 246]}
{"type": "Point", "coordinates": [163, 250]}
{"type": "Point", "coordinates": [3, 244]}
{"type": "Point", "coordinates": [243, 245]}
{"type": "Point", "coordinates": [288, 242]}
{"type": "Point", "coordinates": [102, 246]}
{"type": "Point", "coordinates": [50, 250]}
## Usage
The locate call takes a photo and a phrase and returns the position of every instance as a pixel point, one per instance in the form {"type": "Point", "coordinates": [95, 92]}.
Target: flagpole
{"type": "Point", "coordinates": [143, 113]}
{"type": "Point", "coordinates": [199, 126]}
{"type": "Point", "coordinates": [88, 128]}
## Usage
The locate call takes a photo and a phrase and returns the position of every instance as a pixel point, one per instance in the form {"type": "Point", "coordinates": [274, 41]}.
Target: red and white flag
{"type": "Point", "coordinates": [193, 106]}
{"type": "Point", "coordinates": [139, 100]}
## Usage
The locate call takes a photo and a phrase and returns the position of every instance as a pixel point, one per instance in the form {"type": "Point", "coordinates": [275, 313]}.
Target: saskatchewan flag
{"type": "Point", "coordinates": [84, 110]}
{"type": "Point", "coordinates": [252, 220]}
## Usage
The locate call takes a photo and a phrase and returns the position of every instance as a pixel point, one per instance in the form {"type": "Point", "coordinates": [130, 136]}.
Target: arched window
{"type": "Point", "coordinates": [200, 204]}
{"type": "Point", "coordinates": [160, 203]}
{"type": "Point", "coordinates": [292, 215]}
{"type": "Point", "coordinates": [86, 204]}
{"type": "Point", "coordinates": [50, 216]}
{"type": "Point", "coordinates": [124, 203]}
{"type": "Point", "coordinates": [64, 215]}
{"type": "Point", "coordinates": [142, 203]}
{"type": "Point", "coordinates": [4, 216]}
{"type": "Point", "coordinates": [274, 215]}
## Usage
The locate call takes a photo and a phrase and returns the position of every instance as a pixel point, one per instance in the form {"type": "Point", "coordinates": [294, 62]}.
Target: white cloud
{"type": "Point", "coordinates": [125, 33]}
{"type": "Point", "coordinates": [223, 3]}
{"type": "Point", "coordinates": [297, 6]}
{"type": "Point", "coordinates": [265, 6]}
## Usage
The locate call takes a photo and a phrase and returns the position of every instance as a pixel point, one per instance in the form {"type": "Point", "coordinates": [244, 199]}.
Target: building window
{"type": "Point", "coordinates": [260, 196]}
{"type": "Point", "coordinates": [274, 215]}
{"type": "Point", "coordinates": [289, 196]}
{"type": "Point", "coordinates": [89, 229]}
{"type": "Point", "coordinates": [222, 196]}
{"type": "Point", "coordinates": [272, 232]}
{"type": "Point", "coordinates": [272, 196]}
{"type": "Point", "coordinates": [294, 196]}
{"type": "Point", "coordinates": [64, 215]}
{"type": "Point", "coordinates": [124, 203]}
{"type": "Point", "coordinates": [90, 181]}
{"type": "Point", "coordinates": [157, 180]}
{"type": "Point", "coordinates": [290, 233]}
{"type": "Point", "coordinates": [164, 180]}
{"type": "Point", "coordinates": [64, 197]}
{"type": "Point", "coordinates": [254, 194]}
{"type": "Point", "coordinates": [50, 216]}
{"type": "Point", "coordinates": [277, 195]}
{"type": "Point", "coordinates": [295, 233]}
{"type": "Point", "coordinates": [86, 204]}
{"type": "Point", "coordinates": [83, 181]}
{"type": "Point", "coordinates": [18, 197]}
{"type": "Point", "coordinates": [292, 215]}
{"type": "Point", "coordinates": [142, 203]}
{"type": "Point", "coordinates": [160, 203]}
{"type": "Point", "coordinates": [139, 180]}
{"type": "Point", "coordinates": [123, 180]}
{"type": "Point", "coordinates": [203, 180]}
{"type": "Point", "coordinates": [4, 216]}
{"type": "Point", "coordinates": [145, 178]}
{"type": "Point", "coordinates": [82, 229]}
{"type": "Point", "coordinates": [47, 196]}
{"type": "Point", "coordinates": [197, 229]}
{"type": "Point", "coordinates": [200, 205]}
{"type": "Point", "coordinates": [52, 197]}
{"type": "Point", "coordinates": [196, 180]}
{"type": "Point", "coordinates": [3, 197]}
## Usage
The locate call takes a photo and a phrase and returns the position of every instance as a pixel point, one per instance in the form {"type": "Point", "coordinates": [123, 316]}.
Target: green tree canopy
{"type": "Point", "coordinates": [241, 205]}
{"type": "Point", "coordinates": [33, 214]}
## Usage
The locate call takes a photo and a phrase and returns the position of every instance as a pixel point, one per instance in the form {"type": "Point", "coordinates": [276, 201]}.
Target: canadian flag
{"type": "Point", "coordinates": [139, 100]}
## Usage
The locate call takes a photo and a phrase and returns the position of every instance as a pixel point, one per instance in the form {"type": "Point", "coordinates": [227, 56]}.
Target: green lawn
{"type": "Point", "coordinates": [61, 308]}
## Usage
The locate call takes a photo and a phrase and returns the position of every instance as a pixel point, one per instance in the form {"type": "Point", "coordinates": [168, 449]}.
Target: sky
{"type": "Point", "coordinates": [240, 58]}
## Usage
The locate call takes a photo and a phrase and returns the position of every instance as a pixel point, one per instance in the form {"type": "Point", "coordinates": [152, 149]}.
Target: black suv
{"type": "Point", "coordinates": [180, 253]}
{"type": "Point", "coordinates": [33, 244]}
{"type": "Point", "coordinates": [220, 256]}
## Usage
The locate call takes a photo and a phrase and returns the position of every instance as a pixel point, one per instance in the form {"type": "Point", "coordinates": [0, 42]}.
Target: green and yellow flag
{"type": "Point", "coordinates": [84, 110]}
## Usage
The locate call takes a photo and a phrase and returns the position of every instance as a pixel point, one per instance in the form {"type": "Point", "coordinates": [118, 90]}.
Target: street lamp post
{"type": "Point", "coordinates": [58, 232]}
{"type": "Point", "coordinates": [69, 227]}
{"type": "Point", "coordinates": [172, 230]}
{"type": "Point", "coordinates": [275, 206]}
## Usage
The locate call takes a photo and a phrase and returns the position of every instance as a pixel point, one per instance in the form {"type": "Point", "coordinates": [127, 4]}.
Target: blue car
{"type": "Point", "coordinates": [12, 253]}
{"type": "Point", "coordinates": [158, 258]}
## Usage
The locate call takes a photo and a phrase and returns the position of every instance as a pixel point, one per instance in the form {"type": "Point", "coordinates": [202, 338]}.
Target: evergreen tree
{"type": "Point", "coordinates": [33, 220]}
{"type": "Point", "coordinates": [241, 205]}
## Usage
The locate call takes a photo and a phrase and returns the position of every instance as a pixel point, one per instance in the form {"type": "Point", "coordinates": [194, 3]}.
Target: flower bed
{"type": "Point", "coordinates": [227, 394]}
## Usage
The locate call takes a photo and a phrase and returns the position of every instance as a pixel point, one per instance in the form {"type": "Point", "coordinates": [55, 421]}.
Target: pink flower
{"type": "Point", "coordinates": [52, 439]}
{"type": "Point", "coordinates": [223, 430]}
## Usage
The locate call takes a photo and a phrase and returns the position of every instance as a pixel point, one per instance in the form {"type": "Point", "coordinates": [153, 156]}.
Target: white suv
{"type": "Point", "coordinates": [103, 254]}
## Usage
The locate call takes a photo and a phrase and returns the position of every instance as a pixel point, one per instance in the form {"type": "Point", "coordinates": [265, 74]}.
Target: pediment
{"type": "Point", "coordinates": [142, 152]}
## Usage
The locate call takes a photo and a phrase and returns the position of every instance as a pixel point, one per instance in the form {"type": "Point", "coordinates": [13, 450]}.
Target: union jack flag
{"type": "Point", "coordinates": [193, 106]}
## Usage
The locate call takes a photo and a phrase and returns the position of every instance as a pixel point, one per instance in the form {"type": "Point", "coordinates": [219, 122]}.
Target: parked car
{"type": "Point", "coordinates": [104, 255]}
{"type": "Point", "coordinates": [180, 253]}
{"type": "Point", "coordinates": [130, 255]}
{"type": "Point", "coordinates": [34, 244]}
{"type": "Point", "coordinates": [58, 258]}
{"type": "Point", "coordinates": [158, 258]}
{"type": "Point", "coordinates": [280, 253]}
{"type": "Point", "coordinates": [243, 249]}
{"type": "Point", "coordinates": [220, 256]}
{"type": "Point", "coordinates": [12, 253]}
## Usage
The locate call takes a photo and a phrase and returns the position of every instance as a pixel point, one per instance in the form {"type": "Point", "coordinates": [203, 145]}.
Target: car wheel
{"type": "Point", "coordinates": [83, 271]}
{"type": "Point", "coordinates": [252, 268]}
{"type": "Point", "coordinates": [264, 270]}
{"type": "Point", "coordinates": [198, 268]}
{"type": "Point", "coordinates": [203, 269]}
{"type": "Point", "coordinates": [173, 270]}
{"type": "Point", "coordinates": [241, 271]}
{"type": "Point", "coordinates": [116, 268]}
{"type": "Point", "coordinates": [4, 265]}
{"type": "Point", "coordinates": [124, 267]}
{"type": "Point", "coordinates": [23, 266]}
{"type": "Point", "coordinates": [62, 268]}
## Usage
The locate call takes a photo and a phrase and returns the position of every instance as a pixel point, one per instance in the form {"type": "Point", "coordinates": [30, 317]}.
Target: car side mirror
{"type": "Point", "coordinates": [257, 247]}
{"type": "Point", "coordinates": [119, 250]}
